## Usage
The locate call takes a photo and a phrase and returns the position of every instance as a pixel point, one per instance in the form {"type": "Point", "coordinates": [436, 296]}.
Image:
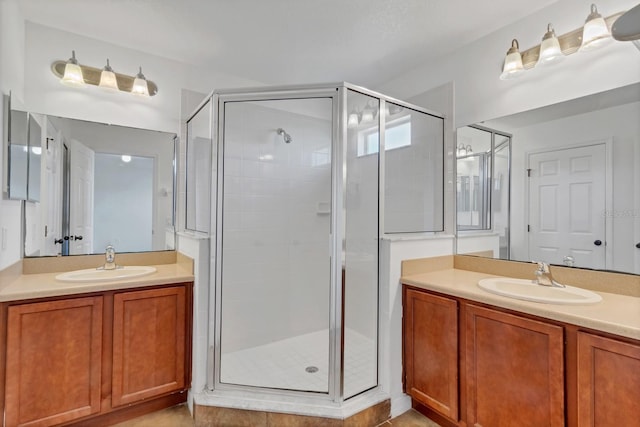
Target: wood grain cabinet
{"type": "Point", "coordinates": [95, 360]}
{"type": "Point", "coordinates": [53, 361]}
{"type": "Point", "coordinates": [148, 344]}
{"type": "Point", "coordinates": [470, 364]}
{"type": "Point", "coordinates": [608, 382]}
{"type": "Point", "coordinates": [514, 370]}
{"type": "Point", "coordinates": [431, 351]}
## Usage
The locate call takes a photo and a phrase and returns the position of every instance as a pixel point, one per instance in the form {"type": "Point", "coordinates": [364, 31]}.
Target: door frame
{"type": "Point", "coordinates": [608, 190]}
{"type": "Point", "coordinates": [338, 157]}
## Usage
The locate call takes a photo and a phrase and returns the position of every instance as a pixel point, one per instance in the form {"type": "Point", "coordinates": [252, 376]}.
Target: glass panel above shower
{"type": "Point", "coordinates": [199, 169]}
{"type": "Point", "coordinates": [414, 161]}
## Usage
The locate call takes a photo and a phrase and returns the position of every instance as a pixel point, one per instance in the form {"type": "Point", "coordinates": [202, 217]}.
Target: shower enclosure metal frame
{"type": "Point", "coordinates": [337, 92]}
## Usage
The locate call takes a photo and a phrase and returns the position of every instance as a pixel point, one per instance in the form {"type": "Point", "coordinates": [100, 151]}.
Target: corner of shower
{"type": "Point", "coordinates": [293, 317]}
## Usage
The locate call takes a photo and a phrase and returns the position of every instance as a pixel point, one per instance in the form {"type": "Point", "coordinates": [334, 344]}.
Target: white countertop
{"type": "Point", "coordinates": [615, 314]}
{"type": "Point", "coordinates": [42, 285]}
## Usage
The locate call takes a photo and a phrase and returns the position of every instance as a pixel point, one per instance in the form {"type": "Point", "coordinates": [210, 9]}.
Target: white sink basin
{"type": "Point", "coordinates": [100, 275]}
{"type": "Point", "coordinates": [530, 291]}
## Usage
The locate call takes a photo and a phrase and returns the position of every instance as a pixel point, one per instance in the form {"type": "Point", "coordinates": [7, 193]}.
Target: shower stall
{"type": "Point", "coordinates": [297, 212]}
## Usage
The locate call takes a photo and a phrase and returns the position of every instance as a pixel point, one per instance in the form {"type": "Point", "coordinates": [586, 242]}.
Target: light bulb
{"type": "Point", "coordinates": [353, 119]}
{"type": "Point", "coordinates": [595, 32]}
{"type": "Point", "coordinates": [512, 63]}
{"type": "Point", "coordinates": [140, 86]}
{"type": "Point", "coordinates": [550, 51]}
{"type": "Point", "coordinates": [72, 73]}
{"type": "Point", "coordinates": [108, 79]}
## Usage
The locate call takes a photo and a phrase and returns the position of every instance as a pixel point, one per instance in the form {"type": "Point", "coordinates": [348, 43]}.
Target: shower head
{"type": "Point", "coordinates": [287, 138]}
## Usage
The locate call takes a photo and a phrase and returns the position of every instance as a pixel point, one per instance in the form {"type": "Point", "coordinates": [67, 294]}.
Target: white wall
{"type": "Point", "coordinates": [475, 68]}
{"type": "Point", "coordinates": [45, 94]}
{"type": "Point", "coordinates": [622, 126]}
{"type": "Point", "coordinates": [393, 250]}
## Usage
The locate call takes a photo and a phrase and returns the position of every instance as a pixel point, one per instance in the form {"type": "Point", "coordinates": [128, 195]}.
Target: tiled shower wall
{"type": "Point", "coordinates": [276, 259]}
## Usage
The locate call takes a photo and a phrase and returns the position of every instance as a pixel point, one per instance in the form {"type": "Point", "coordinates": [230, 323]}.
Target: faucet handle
{"type": "Point", "coordinates": [110, 253]}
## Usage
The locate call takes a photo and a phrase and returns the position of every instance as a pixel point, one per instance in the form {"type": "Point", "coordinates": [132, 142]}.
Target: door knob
{"type": "Point", "coordinates": [597, 242]}
{"type": "Point", "coordinates": [77, 237]}
{"type": "Point", "coordinates": [638, 245]}
{"type": "Point", "coordinates": [56, 241]}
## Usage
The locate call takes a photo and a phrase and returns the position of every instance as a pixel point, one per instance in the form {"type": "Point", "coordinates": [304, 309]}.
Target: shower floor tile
{"type": "Point", "coordinates": [285, 364]}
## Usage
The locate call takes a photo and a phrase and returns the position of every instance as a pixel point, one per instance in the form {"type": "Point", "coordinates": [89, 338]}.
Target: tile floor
{"type": "Point", "coordinates": [179, 416]}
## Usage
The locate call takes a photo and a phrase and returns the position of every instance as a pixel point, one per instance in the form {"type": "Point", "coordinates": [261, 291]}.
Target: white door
{"type": "Point", "coordinates": [82, 160]}
{"type": "Point", "coordinates": [567, 206]}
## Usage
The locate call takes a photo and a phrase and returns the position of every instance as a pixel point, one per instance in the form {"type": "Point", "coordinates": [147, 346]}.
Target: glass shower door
{"type": "Point", "coordinates": [275, 263]}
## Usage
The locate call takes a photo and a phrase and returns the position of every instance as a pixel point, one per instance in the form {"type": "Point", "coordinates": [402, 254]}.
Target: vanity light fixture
{"type": "Point", "coordinates": [552, 49]}
{"type": "Point", "coordinates": [71, 73]}
{"type": "Point", "coordinates": [463, 150]}
{"type": "Point", "coordinates": [550, 52]}
{"type": "Point", "coordinates": [108, 78]}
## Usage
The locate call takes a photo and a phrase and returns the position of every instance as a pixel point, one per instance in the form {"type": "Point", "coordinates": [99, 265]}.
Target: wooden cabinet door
{"type": "Point", "coordinates": [514, 370]}
{"type": "Point", "coordinates": [148, 344]}
{"type": "Point", "coordinates": [608, 382]}
{"type": "Point", "coordinates": [53, 365]}
{"type": "Point", "coordinates": [431, 351]}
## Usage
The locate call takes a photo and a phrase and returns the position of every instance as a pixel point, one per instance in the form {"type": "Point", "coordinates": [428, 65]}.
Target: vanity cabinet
{"type": "Point", "coordinates": [148, 344]}
{"type": "Point", "coordinates": [471, 364]}
{"type": "Point", "coordinates": [53, 361]}
{"type": "Point", "coordinates": [608, 381]}
{"type": "Point", "coordinates": [514, 370]}
{"type": "Point", "coordinates": [98, 359]}
{"type": "Point", "coordinates": [431, 351]}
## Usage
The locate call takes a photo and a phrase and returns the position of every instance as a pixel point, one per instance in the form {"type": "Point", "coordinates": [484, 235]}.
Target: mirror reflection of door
{"type": "Point", "coordinates": [567, 206]}
{"type": "Point", "coordinates": [82, 161]}
{"type": "Point", "coordinates": [51, 194]}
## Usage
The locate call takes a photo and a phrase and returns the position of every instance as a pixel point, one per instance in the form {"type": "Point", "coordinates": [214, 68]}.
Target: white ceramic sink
{"type": "Point", "coordinates": [101, 275]}
{"type": "Point", "coordinates": [530, 291]}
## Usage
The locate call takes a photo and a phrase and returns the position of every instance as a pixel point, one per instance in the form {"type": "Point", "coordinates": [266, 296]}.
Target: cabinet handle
{"type": "Point", "coordinates": [597, 242]}
{"type": "Point", "coordinates": [638, 245]}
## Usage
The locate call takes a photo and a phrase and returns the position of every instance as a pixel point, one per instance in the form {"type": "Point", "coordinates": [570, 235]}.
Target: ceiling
{"type": "Point", "coordinates": [367, 42]}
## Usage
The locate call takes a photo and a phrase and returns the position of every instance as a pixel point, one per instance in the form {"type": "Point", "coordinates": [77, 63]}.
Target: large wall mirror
{"type": "Point", "coordinates": [575, 184]}
{"type": "Point", "coordinates": [97, 185]}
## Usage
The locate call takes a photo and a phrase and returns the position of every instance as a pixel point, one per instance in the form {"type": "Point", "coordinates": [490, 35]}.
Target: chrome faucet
{"type": "Point", "coordinates": [110, 258]}
{"type": "Point", "coordinates": [544, 276]}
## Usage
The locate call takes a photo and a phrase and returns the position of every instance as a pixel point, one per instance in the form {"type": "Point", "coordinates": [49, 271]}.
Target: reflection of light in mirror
{"type": "Point", "coordinates": [353, 119]}
{"type": "Point", "coordinates": [126, 158]}
{"type": "Point", "coordinates": [36, 150]}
